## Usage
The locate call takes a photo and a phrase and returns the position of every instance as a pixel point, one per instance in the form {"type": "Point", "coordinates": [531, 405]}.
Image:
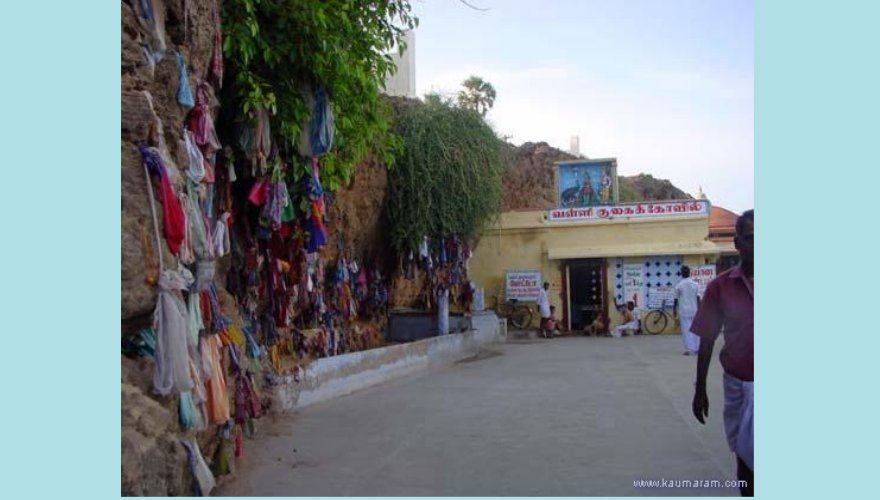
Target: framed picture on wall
{"type": "Point", "coordinates": [586, 183]}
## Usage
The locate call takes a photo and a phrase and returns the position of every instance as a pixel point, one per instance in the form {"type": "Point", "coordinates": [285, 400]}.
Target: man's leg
{"type": "Point", "coordinates": [743, 473]}
{"type": "Point", "coordinates": [691, 341]}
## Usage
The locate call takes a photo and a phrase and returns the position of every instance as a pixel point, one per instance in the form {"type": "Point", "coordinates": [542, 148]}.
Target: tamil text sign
{"type": "Point", "coordinates": [703, 275]}
{"type": "Point", "coordinates": [633, 283]}
{"type": "Point", "coordinates": [522, 285]}
{"type": "Point", "coordinates": [631, 211]}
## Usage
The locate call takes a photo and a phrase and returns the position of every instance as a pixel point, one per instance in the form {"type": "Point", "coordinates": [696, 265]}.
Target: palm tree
{"type": "Point", "coordinates": [478, 95]}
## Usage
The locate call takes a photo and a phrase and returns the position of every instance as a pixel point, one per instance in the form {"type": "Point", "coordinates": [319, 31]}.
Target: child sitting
{"type": "Point", "coordinates": [551, 324]}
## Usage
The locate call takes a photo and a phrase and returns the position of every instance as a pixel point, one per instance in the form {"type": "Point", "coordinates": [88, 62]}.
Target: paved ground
{"type": "Point", "coordinates": [568, 416]}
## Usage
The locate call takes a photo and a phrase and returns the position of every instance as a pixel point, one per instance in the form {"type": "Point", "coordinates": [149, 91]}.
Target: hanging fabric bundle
{"type": "Point", "coordinates": [151, 16]}
{"type": "Point", "coordinates": [140, 344]}
{"type": "Point", "coordinates": [253, 349]}
{"type": "Point", "coordinates": [220, 463]}
{"type": "Point", "coordinates": [187, 410]}
{"type": "Point", "coordinates": [200, 121]}
{"type": "Point", "coordinates": [203, 479]}
{"type": "Point", "coordinates": [218, 401]}
{"type": "Point", "coordinates": [199, 398]}
{"type": "Point", "coordinates": [219, 321]}
{"type": "Point", "coordinates": [239, 448]}
{"type": "Point", "coordinates": [255, 140]}
{"type": "Point", "coordinates": [187, 254]}
{"type": "Point", "coordinates": [287, 213]}
{"type": "Point", "coordinates": [172, 215]}
{"type": "Point", "coordinates": [247, 404]}
{"type": "Point", "coordinates": [195, 224]}
{"type": "Point", "coordinates": [315, 223]}
{"type": "Point", "coordinates": [262, 139]}
{"type": "Point", "coordinates": [275, 203]}
{"type": "Point", "coordinates": [275, 359]}
{"type": "Point", "coordinates": [259, 192]}
{"type": "Point", "coordinates": [236, 336]}
{"type": "Point", "coordinates": [196, 162]}
{"type": "Point", "coordinates": [205, 306]}
{"type": "Point", "coordinates": [171, 371]}
{"type": "Point", "coordinates": [217, 50]}
{"type": "Point", "coordinates": [204, 275]}
{"type": "Point", "coordinates": [221, 235]}
{"type": "Point", "coordinates": [194, 320]}
{"type": "Point", "coordinates": [427, 263]}
{"type": "Point", "coordinates": [184, 94]}
{"type": "Point", "coordinates": [317, 136]}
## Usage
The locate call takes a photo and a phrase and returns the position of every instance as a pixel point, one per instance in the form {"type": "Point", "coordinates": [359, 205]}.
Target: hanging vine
{"type": "Point", "coordinates": [273, 48]}
{"type": "Point", "coordinates": [447, 180]}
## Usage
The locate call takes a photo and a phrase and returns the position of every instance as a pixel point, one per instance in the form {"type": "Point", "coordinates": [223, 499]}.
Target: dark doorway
{"type": "Point", "coordinates": [586, 288]}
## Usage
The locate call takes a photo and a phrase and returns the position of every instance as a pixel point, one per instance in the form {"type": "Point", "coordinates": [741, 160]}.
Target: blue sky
{"type": "Point", "coordinates": [665, 86]}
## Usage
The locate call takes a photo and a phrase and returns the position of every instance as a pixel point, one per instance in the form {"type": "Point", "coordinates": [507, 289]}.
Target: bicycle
{"type": "Point", "coordinates": [519, 313]}
{"type": "Point", "coordinates": [656, 320]}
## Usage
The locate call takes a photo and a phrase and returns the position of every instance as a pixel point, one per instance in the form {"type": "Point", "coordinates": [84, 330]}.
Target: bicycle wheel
{"type": "Point", "coordinates": [655, 322]}
{"type": "Point", "coordinates": [521, 317]}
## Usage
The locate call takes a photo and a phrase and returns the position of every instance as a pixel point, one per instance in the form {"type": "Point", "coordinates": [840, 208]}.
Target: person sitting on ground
{"type": "Point", "coordinates": [630, 320]}
{"type": "Point", "coordinates": [551, 324]}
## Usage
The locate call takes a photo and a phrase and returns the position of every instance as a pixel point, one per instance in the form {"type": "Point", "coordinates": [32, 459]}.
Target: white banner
{"type": "Point", "coordinates": [703, 275]}
{"type": "Point", "coordinates": [523, 285]}
{"type": "Point", "coordinates": [633, 283]}
{"type": "Point", "coordinates": [631, 211]}
{"type": "Point", "coordinates": [660, 296]}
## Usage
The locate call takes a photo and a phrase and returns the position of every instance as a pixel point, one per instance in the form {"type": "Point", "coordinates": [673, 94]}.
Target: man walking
{"type": "Point", "coordinates": [729, 305]}
{"type": "Point", "coordinates": [687, 295]}
{"type": "Point", "coordinates": [543, 307]}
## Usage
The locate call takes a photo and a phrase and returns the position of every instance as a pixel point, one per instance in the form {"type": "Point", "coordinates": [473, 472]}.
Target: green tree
{"type": "Point", "coordinates": [447, 179]}
{"type": "Point", "coordinates": [273, 49]}
{"type": "Point", "coordinates": [478, 95]}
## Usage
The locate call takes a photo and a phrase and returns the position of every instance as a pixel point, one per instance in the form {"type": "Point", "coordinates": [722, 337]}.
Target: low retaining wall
{"type": "Point", "coordinates": [328, 378]}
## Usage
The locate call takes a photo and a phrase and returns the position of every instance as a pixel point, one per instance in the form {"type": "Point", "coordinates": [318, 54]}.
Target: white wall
{"type": "Point", "coordinates": [403, 83]}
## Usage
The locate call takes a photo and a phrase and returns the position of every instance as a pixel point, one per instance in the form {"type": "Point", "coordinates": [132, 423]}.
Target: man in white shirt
{"type": "Point", "coordinates": [544, 306]}
{"type": "Point", "coordinates": [687, 295]}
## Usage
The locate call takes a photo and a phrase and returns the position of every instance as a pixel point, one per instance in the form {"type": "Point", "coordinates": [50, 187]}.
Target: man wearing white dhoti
{"type": "Point", "coordinates": [687, 301]}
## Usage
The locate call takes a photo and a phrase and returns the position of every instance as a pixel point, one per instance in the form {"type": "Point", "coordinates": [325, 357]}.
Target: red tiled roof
{"type": "Point", "coordinates": [722, 220]}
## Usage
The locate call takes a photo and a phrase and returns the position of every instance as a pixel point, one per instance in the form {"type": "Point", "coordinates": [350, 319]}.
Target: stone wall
{"type": "Point", "coordinates": [153, 461]}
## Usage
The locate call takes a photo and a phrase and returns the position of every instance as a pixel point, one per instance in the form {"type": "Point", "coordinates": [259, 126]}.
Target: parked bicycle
{"type": "Point", "coordinates": [518, 313]}
{"type": "Point", "coordinates": [656, 320]}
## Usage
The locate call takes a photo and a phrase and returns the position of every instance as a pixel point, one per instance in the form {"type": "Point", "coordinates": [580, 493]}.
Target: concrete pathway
{"type": "Point", "coordinates": [567, 416]}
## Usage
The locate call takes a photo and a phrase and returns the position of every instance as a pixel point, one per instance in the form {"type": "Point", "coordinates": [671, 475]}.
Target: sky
{"type": "Point", "coordinates": [664, 86]}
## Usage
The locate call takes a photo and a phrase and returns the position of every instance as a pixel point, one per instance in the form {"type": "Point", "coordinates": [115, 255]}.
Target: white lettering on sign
{"type": "Point", "coordinates": [633, 282]}
{"type": "Point", "coordinates": [523, 285]}
{"type": "Point", "coordinates": [661, 296]}
{"type": "Point", "coordinates": [703, 275]}
{"type": "Point", "coordinates": [631, 211]}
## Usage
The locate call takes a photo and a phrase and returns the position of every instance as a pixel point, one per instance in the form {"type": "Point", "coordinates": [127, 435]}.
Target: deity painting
{"type": "Point", "coordinates": [587, 183]}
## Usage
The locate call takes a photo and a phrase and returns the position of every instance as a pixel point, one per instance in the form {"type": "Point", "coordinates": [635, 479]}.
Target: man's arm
{"type": "Point", "coordinates": [707, 325]}
{"type": "Point", "coordinates": [700, 404]}
{"type": "Point", "coordinates": [675, 308]}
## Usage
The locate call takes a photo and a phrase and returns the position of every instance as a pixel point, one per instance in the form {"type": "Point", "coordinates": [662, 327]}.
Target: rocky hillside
{"type": "Point", "coordinates": [528, 182]}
